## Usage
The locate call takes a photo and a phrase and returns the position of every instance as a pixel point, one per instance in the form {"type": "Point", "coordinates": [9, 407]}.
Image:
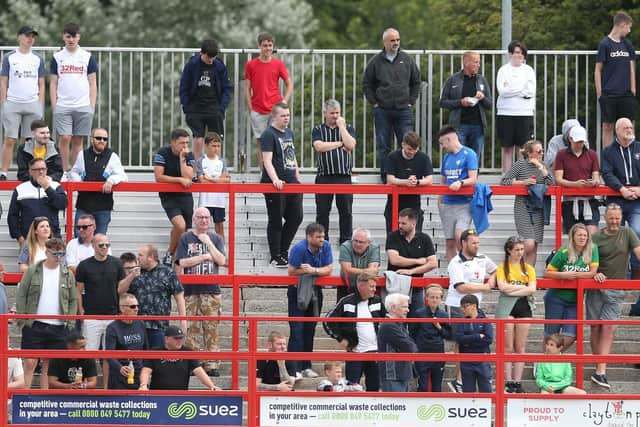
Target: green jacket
{"type": "Point", "coordinates": [556, 374]}
{"type": "Point", "coordinates": [28, 293]}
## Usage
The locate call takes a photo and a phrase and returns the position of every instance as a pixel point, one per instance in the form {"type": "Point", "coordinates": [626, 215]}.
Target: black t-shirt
{"type": "Point", "coordinates": [268, 371]}
{"type": "Point", "coordinates": [284, 155]}
{"type": "Point", "coordinates": [205, 98]}
{"type": "Point", "coordinates": [65, 369]}
{"type": "Point", "coordinates": [171, 163]}
{"type": "Point", "coordinates": [401, 168]}
{"type": "Point", "coordinates": [171, 374]}
{"type": "Point", "coordinates": [420, 246]}
{"type": "Point", "coordinates": [100, 280]}
{"type": "Point", "coordinates": [470, 115]}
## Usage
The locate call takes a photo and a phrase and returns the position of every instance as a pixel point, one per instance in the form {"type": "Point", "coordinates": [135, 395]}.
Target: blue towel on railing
{"type": "Point", "coordinates": [538, 201]}
{"type": "Point", "coordinates": [481, 206]}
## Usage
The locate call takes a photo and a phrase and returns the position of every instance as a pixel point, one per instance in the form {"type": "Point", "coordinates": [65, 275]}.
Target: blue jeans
{"type": "Point", "coordinates": [103, 218]}
{"type": "Point", "coordinates": [354, 369]}
{"type": "Point", "coordinates": [386, 121]}
{"type": "Point", "coordinates": [155, 338]}
{"type": "Point", "coordinates": [395, 385]}
{"type": "Point", "coordinates": [417, 301]}
{"type": "Point", "coordinates": [301, 334]}
{"type": "Point", "coordinates": [476, 373]}
{"type": "Point", "coordinates": [631, 215]}
{"type": "Point", "coordinates": [555, 308]}
{"type": "Point", "coordinates": [473, 137]}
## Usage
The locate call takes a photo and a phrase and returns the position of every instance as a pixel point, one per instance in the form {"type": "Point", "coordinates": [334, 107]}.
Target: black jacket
{"type": "Point", "coordinates": [52, 159]}
{"type": "Point", "coordinates": [393, 85]}
{"type": "Point", "coordinates": [348, 307]}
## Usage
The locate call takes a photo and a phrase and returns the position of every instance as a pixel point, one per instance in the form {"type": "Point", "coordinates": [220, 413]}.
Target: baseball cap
{"type": "Point", "coordinates": [578, 134]}
{"type": "Point", "coordinates": [26, 29]}
{"type": "Point", "coordinates": [173, 331]}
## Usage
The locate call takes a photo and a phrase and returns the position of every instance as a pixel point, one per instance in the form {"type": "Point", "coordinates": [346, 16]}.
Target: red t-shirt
{"type": "Point", "coordinates": [576, 168]}
{"type": "Point", "coordinates": [264, 78]}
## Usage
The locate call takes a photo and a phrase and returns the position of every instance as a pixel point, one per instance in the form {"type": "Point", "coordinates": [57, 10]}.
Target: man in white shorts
{"type": "Point", "coordinates": [21, 93]}
{"type": "Point", "coordinates": [73, 92]}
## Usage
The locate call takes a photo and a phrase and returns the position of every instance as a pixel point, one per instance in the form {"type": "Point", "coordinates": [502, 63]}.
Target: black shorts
{"type": "Point", "coordinates": [568, 220]}
{"type": "Point", "coordinates": [217, 214]}
{"type": "Point", "coordinates": [514, 130]}
{"type": "Point", "coordinates": [616, 107]}
{"type": "Point", "coordinates": [201, 123]}
{"type": "Point", "coordinates": [178, 205]}
{"type": "Point", "coordinates": [43, 336]}
{"type": "Point", "coordinates": [521, 309]}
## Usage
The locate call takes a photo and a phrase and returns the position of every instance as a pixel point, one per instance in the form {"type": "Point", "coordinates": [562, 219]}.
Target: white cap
{"type": "Point", "coordinates": [578, 133]}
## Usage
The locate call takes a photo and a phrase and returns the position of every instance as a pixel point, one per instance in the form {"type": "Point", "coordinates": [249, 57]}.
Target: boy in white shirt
{"type": "Point", "coordinates": [211, 168]}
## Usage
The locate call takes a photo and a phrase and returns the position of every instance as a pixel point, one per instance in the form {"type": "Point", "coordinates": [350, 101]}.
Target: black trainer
{"type": "Point", "coordinates": [278, 262]}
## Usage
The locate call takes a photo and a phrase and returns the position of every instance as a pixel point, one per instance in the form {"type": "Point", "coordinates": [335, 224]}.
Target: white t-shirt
{"type": "Point", "coordinates": [77, 252]}
{"type": "Point", "coordinates": [23, 71]}
{"type": "Point", "coordinates": [212, 168]}
{"type": "Point", "coordinates": [516, 90]}
{"type": "Point", "coordinates": [72, 70]}
{"type": "Point", "coordinates": [49, 302]}
{"type": "Point", "coordinates": [367, 340]}
{"type": "Point", "coordinates": [463, 270]}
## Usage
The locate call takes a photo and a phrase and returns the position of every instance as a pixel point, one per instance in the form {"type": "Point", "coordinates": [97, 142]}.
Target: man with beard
{"type": "Point", "coordinates": [39, 146]}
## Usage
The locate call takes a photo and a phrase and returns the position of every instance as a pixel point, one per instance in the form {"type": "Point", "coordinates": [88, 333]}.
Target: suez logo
{"type": "Point", "coordinates": [189, 410]}
{"type": "Point", "coordinates": [438, 413]}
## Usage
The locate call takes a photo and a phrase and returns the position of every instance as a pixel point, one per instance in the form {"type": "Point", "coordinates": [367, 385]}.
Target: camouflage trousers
{"type": "Point", "coordinates": [203, 334]}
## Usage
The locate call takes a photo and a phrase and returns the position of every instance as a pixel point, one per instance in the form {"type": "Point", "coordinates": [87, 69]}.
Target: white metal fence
{"type": "Point", "coordinates": [138, 98]}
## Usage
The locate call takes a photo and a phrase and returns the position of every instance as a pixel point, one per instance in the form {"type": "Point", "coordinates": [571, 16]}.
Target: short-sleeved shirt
{"type": "Point", "coordinates": [211, 168]}
{"type": "Point", "coordinates": [77, 252]}
{"type": "Point", "coordinates": [516, 275]}
{"type": "Point", "coordinates": [614, 251]}
{"type": "Point", "coordinates": [23, 71]}
{"type": "Point", "coordinates": [264, 78]}
{"type": "Point", "coordinates": [575, 168]}
{"type": "Point", "coordinates": [347, 254]}
{"type": "Point", "coordinates": [300, 254]}
{"type": "Point", "coordinates": [171, 163]}
{"type": "Point", "coordinates": [66, 369]}
{"type": "Point", "coordinates": [170, 374]}
{"type": "Point", "coordinates": [616, 71]}
{"type": "Point", "coordinates": [402, 168]}
{"type": "Point", "coordinates": [560, 262]}
{"type": "Point", "coordinates": [419, 247]}
{"type": "Point", "coordinates": [337, 161]}
{"type": "Point", "coordinates": [467, 270]}
{"type": "Point", "coordinates": [100, 280]}
{"type": "Point", "coordinates": [280, 143]}
{"type": "Point", "coordinates": [154, 290]}
{"type": "Point", "coordinates": [268, 372]}
{"type": "Point", "coordinates": [455, 167]}
{"type": "Point", "coordinates": [73, 69]}
{"type": "Point", "coordinates": [190, 246]}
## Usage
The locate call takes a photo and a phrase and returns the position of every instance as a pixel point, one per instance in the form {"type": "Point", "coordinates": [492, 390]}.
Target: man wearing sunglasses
{"type": "Point", "coordinates": [39, 146]}
{"type": "Point", "coordinates": [47, 287]}
{"type": "Point", "coordinates": [97, 163]}
{"type": "Point", "coordinates": [81, 248]}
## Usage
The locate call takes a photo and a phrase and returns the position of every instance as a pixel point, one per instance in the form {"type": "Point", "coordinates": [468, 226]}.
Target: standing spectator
{"type": "Point", "coordinates": [334, 141]}
{"type": "Point", "coordinates": [309, 259]}
{"type": "Point", "coordinates": [621, 173]}
{"type": "Point", "coordinates": [34, 249]}
{"type": "Point", "coordinates": [280, 167]}
{"type": "Point", "coordinates": [335, 381]}
{"type": "Point", "coordinates": [97, 164]}
{"type": "Point", "coordinates": [467, 95]}
{"type": "Point", "coordinates": [408, 167]}
{"type": "Point", "coordinates": [616, 244]}
{"type": "Point", "coordinates": [46, 288]}
{"type": "Point", "coordinates": [578, 259]}
{"type": "Point", "coordinates": [124, 334]}
{"type": "Point", "coordinates": [73, 91]}
{"type": "Point", "coordinates": [261, 91]}
{"type": "Point", "coordinates": [516, 85]}
{"type": "Point", "coordinates": [39, 146]}
{"type": "Point", "coordinates": [560, 142]}
{"type": "Point", "coordinates": [212, 168]}
{"type": "Point", "coordinates": [201, 252]}
{"type": "Point", "coordinates": [81, 247]}
{"type": "Point", "coordinates": [359, 337]}
{"type": "Point", "coordinates": [615, 76]}
{"type": "Point", "coordinates": [391, 84]}
{"type": "Point", "coordinates": [555, 377]}
{"type": "Point", "coordinates": [272, 375]}
{"type": "Point", "coordinates": [429, 337]}
{"type": "Point", "coordinates": [473, 337]}
{"type": "Point", "coordinates": [357, 256]}
{"type": "Point", "coordinates": [577, 167]}
{"type": "Point", "coordinates": [154, 285]}
{"type": "Point", "coordinates": [394, 338]}
{"type": "Point", "coordinates": [410, 252]}
{"type": "Point", "coordinates": [175, 164]}
{"type": "Point", "coordinates": [205, 92]}
{"type": "Point", "coordinates": [73, 373]}
{"type": "Point", "coordinates": [517, 283]}
{"type": "Point", "coordinates": [529, 222]}
{"type": "Point", "coordinates": [40, 196]}
{"type": "Point", "coordinates": [21, 93]}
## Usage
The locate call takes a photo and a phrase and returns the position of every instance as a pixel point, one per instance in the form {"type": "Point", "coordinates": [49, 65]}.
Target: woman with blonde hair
{"type": "Point", "coordinates": [33, 249]}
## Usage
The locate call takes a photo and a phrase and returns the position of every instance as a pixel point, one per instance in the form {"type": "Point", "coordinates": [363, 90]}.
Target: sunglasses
{"type": "Point", "coordinates": [104, 245]}
{"type": "Point", "coordinates": [131, 306]}
{"type": "Point", "coordinates": [59, 254]}
{"type": "Point", "coordinates": [84, 227]}
{"type": "Point", "coordinates": [101, 138]}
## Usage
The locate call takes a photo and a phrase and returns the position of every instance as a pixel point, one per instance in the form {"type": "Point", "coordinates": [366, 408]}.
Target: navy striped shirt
{"type": "Point", "coordinates": [333, 162]}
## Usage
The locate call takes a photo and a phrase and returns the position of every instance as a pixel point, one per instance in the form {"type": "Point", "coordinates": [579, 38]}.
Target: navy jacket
{"type": "Point", "coordinates": [191, 74]}
{"type": "Point", "coordinates": [613, 168]}
{"type": "Point", "coordinates": [394, 338]}
{"type": "Point", "coordinates": [427, 337]}
{"type": "Point", "coordinates": [28, 201]}
{"type": "Point", "coordinates": [468, 336]}
{"type": "Point", "coordinates": [52, 159]}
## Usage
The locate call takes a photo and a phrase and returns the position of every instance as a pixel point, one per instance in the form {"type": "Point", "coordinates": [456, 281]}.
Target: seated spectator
{"type": "Point", "coordinates": [474, 338]}
{"type": "Point", "coordinates": [555, 377]}
{"type": "Point", "coordinates": [272, 375]}
{"type": "Point", "coordinates": [172, 374]}
{"type": "Point", "coordinates": [39, 146]}
{"type": "Point", "coordinates": [429, 338]}
{"type": "Point", "coordinates": [394, 338]}
{"type": "Point", "coordinates": [73, 373]}
{"type": "Point", "coordinates": [578, 259]}
{"type": "Point", "coordinates": [357, 256]}
{"type": "Point", "coordinates": [34, 250]}
{"type": "Point", "coordinates": [335, 381]}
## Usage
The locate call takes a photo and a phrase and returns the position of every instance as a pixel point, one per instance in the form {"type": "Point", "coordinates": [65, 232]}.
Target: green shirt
{"type": "Point", "coordinates": [560, 262]}
{"type": "Point", "coordinates": [615, 251]}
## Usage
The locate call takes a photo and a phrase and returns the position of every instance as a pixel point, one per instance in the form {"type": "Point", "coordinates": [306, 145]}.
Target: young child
{"type": "Point", "coordinates": [555, 377]}
{"type": "Point", "coordinates": [335, 381]}
{"type": "Point", "coordinates": [474, 338]}
{"type": "Point", "coordinates": [211, 168]}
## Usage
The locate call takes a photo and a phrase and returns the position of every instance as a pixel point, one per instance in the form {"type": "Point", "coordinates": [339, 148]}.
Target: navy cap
{"type": "Point", "coordinates": [27, 30]}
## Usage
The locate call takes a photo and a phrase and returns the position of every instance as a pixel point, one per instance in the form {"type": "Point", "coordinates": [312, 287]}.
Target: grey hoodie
{"type": "Point", "coordinates": [560, 142]}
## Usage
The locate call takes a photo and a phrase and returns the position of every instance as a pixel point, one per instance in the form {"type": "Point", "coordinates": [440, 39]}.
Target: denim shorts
{"type": "Point", "coordinates": [555, 308]}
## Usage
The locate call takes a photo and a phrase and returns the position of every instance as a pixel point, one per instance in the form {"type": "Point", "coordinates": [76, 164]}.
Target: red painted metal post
{"type": "Point", "coordinates": [500, 398]}
{"type": "Point", "coordinates": [4, 366]}
{"type": "Point", "coordinates": [558, 229]}
{"type": "Point", "coordinates": [235, 306]}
